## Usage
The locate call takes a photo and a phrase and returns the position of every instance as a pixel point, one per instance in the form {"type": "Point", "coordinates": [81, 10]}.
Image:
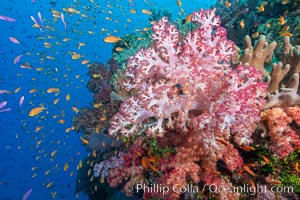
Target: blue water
{"type": "Point", "coordinates": [18, 148]}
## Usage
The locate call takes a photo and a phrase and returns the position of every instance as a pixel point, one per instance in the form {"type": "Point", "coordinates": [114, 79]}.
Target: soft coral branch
{"type": "Point", "coordinates": [284, 139]}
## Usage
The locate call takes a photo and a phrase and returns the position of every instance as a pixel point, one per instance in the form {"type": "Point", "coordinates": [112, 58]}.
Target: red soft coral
{"type": "Point", "coordinates": [283, 138]}
{"type": "Point", "coordinates": [129, 170]}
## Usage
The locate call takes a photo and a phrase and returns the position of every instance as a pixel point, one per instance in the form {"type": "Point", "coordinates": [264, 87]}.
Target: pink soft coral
{"type": "Point", "coordinates": [176, 76]}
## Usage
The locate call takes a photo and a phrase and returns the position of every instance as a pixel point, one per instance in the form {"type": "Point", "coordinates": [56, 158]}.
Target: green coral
{"type": "Point", "coordinates": [159, 151]}
{"type": "Point", "coordinates": [291, 179]}
{"type": "Point", "coordinates": [286, 170]}
{"type": "Point", "coordinates": [157, 14]}
{"type": "Point", "coordinates": [280, 169]}
{"type": "Point", "coordinates": [130, 45]}
{"type": "Point", "coordinates": [184, 27]}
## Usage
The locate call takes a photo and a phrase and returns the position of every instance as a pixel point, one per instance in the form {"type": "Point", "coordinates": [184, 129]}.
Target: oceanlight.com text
{"type": "Point", "coordinates": [245, 188]}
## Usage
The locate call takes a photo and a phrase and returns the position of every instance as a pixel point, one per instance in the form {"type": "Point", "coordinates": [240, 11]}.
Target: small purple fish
{"type": "Point", "coordinates": [17, 59]}
{"type": "Point", "coordinates": [34, 20]}
{"type": "Point", "coordinates": [5, 110]}
{"type": "Point", "coordinates": [24, 66]}
{"type": "Point", "coordinates": [21, 101]}
{"type": "Point", "coordinates": [27, 194]}
{"type": "Point", "coordinates": [5, 18]}
{"type": "Point", "coordinates": [40, 17]}
{"type": "Point", "coordinates": [63, 20]}
{"type": "Point", "coordinates": [3, 91]}
{"type": "Point", "coordinates": [14, 40]}
{"type": "Point", "coordinates": [3, 104]}
{"type": "Point", "coordinates": [37, 23]}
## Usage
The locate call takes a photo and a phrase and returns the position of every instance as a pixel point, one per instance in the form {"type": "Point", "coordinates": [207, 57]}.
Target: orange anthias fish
{"type": "Point", "coordinates": [132, 11]}
{"type": "Point", "coordinates": [247, 169]}
{"type": "Point", "coordinates": [112, 39]}
{"type": "Point", "coordinates": [36, 111]}
{"type": "Point", "coordinates": [242, 24]}
{"type": "Point", "coordinates": [286, 34]}
{"type": "Point", "coordinates": [188, 18]}
{"type": "Point", "coordinates": [296, 166]}
{"type": "Point", "coordinates": [38, 128]}
{"type": "Point", "coordinates": [147, 12]}
{"type": "Point", "coordinates": [51, 90]}
{"type": "Point", "coordinates": [75, 109]}
{"type": "Point", "coordinates": [66, 167]}
{"type": "Point", "coordinates": [285, 29]}
{"type": "Point", "coordinates": [281, 20]}
{"type": "Point", "coordinates": [61, 121]}
{"type": "Point", "coordinates": [266, 159]}
{"type": "Point", "coordinates": [68, 97]}
{"type": "Point", "coordinates": [119, 49]}
{"type": "Point", "coordinates": [255, 35]}
{"type": "Point", "coordinates": [179, 3]}
{"type": "Point", "coordinates": [261, 8]}
{"type": "Point", "coordinates": [227, 4]}
{"type": "Point", "coordinates": [84, 141]}
{"type": "Point", "coordinates": [85, 62]}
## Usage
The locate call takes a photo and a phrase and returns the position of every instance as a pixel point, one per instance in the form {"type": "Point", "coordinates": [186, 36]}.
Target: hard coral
{"type": "Point", "coordinates": [283, 81]}
{"type": "Point", "coordinates": [283, 72]}
{"type": "Point", "coordinates": [291, 56]}
{"type": "Point", "coordinates": [259, 54]}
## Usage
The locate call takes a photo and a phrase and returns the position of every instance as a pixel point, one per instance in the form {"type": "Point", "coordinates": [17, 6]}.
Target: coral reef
{"type": "Point", "coordinates": [190, 109]}
{"type": "Point", "coordinates": [90, 120]}
{"type": "Point", "coordinates": [179, 88]}
{"type": "Point", "coordinates": [99, 83]}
